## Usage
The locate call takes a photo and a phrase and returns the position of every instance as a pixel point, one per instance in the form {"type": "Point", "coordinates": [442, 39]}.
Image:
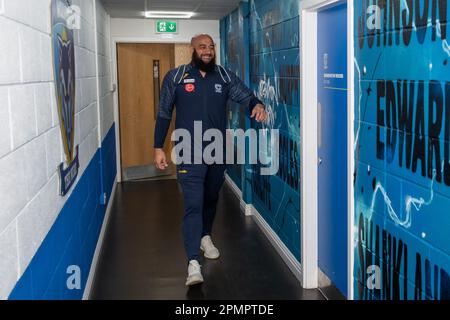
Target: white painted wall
{"type": "Point", "coordinates": [105, 93]}
{"type": "Point", "coordinates": [30, 140]}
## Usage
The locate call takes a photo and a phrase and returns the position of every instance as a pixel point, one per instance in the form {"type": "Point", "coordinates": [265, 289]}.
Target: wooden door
{"type": "Point", "coordinates": [183, 54]}
{"type": "Point", "coordinates": [138, 90]}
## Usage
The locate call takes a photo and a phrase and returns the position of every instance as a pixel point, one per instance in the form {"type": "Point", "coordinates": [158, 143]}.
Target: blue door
{"type": "Point", "coordinates": [332, 143]}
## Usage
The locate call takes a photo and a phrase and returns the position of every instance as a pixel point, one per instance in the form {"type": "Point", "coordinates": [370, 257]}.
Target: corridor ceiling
{"type": "Point", "coordinates": [204, 9]}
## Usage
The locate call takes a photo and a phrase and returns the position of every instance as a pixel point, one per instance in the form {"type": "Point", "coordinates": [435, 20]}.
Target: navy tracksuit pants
{"type": "Point", "coordinates": [200, 184]}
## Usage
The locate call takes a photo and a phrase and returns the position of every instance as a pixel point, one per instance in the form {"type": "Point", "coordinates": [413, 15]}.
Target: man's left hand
{"type": "Point", "coordinates": [259, 113]}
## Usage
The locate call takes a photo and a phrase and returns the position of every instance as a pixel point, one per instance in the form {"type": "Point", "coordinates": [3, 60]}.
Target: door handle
{"type": "Point", "coordinates": [156, 87]}
{"type": "Point", "coordinates": [320, 161]}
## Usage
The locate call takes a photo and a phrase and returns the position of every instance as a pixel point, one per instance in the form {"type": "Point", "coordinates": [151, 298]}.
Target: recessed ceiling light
{"type": "Point", "coordinates": [169, 14]}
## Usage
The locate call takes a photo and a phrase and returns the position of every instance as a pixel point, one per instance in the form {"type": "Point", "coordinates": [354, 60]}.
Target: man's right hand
{"type": "Point", "coordinates": [160, 159]}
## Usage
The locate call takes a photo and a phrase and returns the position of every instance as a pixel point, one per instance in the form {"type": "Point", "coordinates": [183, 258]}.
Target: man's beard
{"type": "Point", "coordinates": [199, 63]}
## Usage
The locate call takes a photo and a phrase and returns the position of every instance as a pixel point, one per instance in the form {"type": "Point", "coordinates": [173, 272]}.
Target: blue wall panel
{"type": "Point", "coordinates": [274, 76]}
{"type": "Point", "coordinates": [402, 127]}
{"type": "Point", "coordinates": [234, 28]}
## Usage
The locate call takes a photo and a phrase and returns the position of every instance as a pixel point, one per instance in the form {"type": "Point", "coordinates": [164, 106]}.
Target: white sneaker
{"type": "Point", "coordinates": [194, 273]}
{"type": "Point", "coordinates": [208, 248]}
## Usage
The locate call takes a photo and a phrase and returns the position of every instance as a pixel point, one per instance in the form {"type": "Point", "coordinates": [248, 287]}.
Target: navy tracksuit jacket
{"type": "Point", "coordinates": [204, 99]}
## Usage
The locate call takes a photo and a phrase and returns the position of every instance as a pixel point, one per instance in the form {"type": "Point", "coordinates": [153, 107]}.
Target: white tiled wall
{"type": "Point", "coordinates": [105, 71]}
{"type": "Point", "coordinates": [30, 141]}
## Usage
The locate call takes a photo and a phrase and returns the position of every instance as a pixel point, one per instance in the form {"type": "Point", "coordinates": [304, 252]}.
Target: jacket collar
{"type": "Point", "coordinates": [191, 66]}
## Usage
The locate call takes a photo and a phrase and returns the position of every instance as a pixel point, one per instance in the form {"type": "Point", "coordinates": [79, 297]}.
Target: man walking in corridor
{"type": "Point", "coordinates": [200, 91]}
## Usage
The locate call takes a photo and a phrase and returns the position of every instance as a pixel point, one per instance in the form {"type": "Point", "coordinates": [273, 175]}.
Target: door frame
{"type": "Point", "coordinates": [115, 41]}
{"type": "Point", "coordinates": [309, 171]}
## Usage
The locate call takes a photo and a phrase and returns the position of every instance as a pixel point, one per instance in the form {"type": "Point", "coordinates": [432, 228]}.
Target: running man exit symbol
{"type": "Point", "coordinates": [163, 26]}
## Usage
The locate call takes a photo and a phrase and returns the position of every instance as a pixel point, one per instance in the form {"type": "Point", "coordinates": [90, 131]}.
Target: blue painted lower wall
{"type": "Point", "coordinates": [73, 237]}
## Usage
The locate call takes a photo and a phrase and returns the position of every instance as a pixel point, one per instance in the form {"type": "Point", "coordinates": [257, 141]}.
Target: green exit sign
{"type": "Point", "coordinates": [164, 26]}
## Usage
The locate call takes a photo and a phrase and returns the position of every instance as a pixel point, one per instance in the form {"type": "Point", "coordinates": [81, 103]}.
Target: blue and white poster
{"type": "Point", "coordinates": [63, 47]}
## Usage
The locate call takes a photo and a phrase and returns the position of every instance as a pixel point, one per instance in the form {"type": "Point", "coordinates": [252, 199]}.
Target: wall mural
{"type": "Point", "coordinates": [232, 28]}
{"type": "Point", "coordinates": [63, 46]}
{"type": "Point", "coordinates": [402, 134]}
{"type": "Point", "coordinates": [274, 77]}
{"type": "Point", "coordinates": [402, 150]}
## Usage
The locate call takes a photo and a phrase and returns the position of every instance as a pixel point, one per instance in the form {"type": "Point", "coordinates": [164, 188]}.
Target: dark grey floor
{"type": "Point", "coordinates": [143, 256]}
